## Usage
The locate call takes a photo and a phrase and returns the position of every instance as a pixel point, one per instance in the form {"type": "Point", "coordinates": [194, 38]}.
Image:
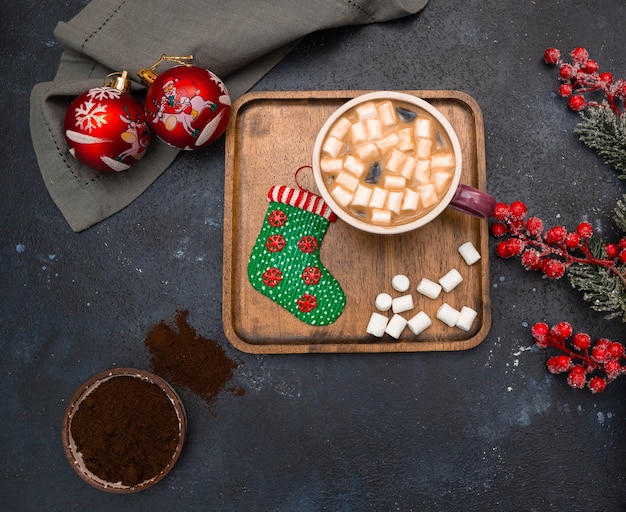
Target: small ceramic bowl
{"type": "Point", "coordinates": [75, 457]}
{"type": "Point", "coordinates": [359, 111]}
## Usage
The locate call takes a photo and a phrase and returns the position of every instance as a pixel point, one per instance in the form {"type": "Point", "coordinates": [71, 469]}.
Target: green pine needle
{"type": "Point", "coordinates": [603, 289]}
{"type": "Point", "coordinates": [605, 131]}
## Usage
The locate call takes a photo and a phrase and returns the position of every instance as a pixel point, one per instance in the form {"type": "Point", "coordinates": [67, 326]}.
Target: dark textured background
{"type": "Point", "coordinates": [484, 429]}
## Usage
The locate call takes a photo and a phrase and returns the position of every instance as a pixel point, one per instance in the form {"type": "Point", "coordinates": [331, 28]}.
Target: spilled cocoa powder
{"type": "Point", "coordinates": [126, 430]}
{"type": "Point", "coordinates": [185, 358]}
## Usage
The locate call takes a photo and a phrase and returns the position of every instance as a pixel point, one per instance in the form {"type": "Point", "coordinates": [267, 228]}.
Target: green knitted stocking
{"type": "Point", "coordinates": [285, 263]}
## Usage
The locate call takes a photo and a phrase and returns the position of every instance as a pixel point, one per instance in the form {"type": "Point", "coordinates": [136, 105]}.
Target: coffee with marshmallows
{"type": "Point", "coordinates": [387, 162]}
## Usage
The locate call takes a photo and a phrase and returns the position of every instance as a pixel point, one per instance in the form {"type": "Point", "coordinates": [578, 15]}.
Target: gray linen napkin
{"type": "Point", "coordinates": [239, 40]}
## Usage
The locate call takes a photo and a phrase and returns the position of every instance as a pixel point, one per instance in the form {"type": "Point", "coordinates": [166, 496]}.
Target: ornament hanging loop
{"type": "Point", "coordinates": [118, 80]}
{"type": "Point", "coordinates": [149, 75]}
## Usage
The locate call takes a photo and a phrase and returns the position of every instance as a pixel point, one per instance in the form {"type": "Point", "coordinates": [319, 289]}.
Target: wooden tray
{"type": "Point", "coordinates": [270, 135]}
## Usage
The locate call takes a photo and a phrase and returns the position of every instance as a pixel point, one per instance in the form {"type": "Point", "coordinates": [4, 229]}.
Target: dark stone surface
{"type": "Point", "coordinates": [484, 429]}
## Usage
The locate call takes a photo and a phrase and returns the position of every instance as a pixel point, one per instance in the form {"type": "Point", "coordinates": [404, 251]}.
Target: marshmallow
{"type": "Point", "coordinates": [400, 283]}
{"type": "Point", "coordinates": [377, 325]}
{"type": "Point", "coordinates": [429, 288]}
{"type": "Point", "coordinates": [367, 111]}
{"type": "Point", "coordinates": [469, 253]}
{"type": "Point", "coordinates": [394, 202]}
{"type": "Point", "coordinates": [333, 146]}
{"type": "Point", "coordinates": [387, 113]}
{"type": "Point", "coordinates": [340, 128]}
{"type": "Point", "coordinates": [331, 165]}
{"type": "Point", "coordinates": [362, 196]}
{"type": "Point", "coordinates": [347, 180]}
{"type": "Point", "coordinates": [402, 304]}
{"type": "Point", "coordinates": [341, 195]}
{"type": "Point", "coordinates": [419, 323]}
{"type": "Point", "coordinates": [396, 161]}
{"type": "Point", "coordinates": [383, 302]}
{"type": "Point", "coordinates": [395, 326]}
{"type": "Point", "coordinates": [381, 217]}
{"type": "Point", "coordinates": [466, 318]}
{"type": "Point", "coordinates": [451, 280]}
{"type": "Point", "coordinates": [424, 147]}
{"type": "Point", "coordinates": [411, 200]}
{"type": "Point", "coordinates": [448, 315]}
{"type": "Point", "coordinates": [428, 194]}
{"type": "Point", "coordinates": [354, 165]}
{"type": "Point", "coordinates": [424, 127]}
{"type": "Point", "coordinates": [367, 151]}
{"type": "Point", "coordinates": [379, 196]}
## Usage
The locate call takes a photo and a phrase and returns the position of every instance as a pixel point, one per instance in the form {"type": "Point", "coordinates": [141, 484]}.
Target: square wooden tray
{"type": "Point", "coordinates": [271, 135]}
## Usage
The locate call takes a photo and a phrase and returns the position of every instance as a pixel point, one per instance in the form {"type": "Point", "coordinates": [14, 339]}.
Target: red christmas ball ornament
{"type": "Point", "coordinates": [106, 127]}
{"type": "Point", "coordinates": [187, 106]}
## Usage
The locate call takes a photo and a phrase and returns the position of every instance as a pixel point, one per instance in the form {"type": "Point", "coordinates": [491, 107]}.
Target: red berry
{"type": "Point", "coordinates": [559, 364]}
{"type": "Point", "coordinates": [534, 226]}
{"type": "Point", "coordinates": [600, 354]}
{"type": "Point", "coordinates": [567, 71]}
{"type": "Point", "coordinates": [515, 246]}
{"type": "Point", "coordinates": [584, 230]}
{"type": "Point", "coordinates": [622, 256]}
{"type": "Point", "coordinates": [576, 103]}
{"type": "Point", "coordinates": [616, 350]}
{"type": "Point", "coordinates": [555, 235]}
{"type": "Point", "coordinates": [579, 54]}
{"type": "Point", "coordinates": [540, 332]}
{"type": "Point", "coordinates": [603, 342]}
{"type": "Point", "coordinates": [502, 250]}
{"type": "Point", "coordinates": [597, 384]}
{"type": "Point", "coordinates": [498, 229]}
{"type": "Point", "coordinates": [612, 251]}
{"type": "Point", "coordinates": [517, 210]}
{"type": "Point", "coordinates": [501, 211]}
{"type": "Point", "coordinates": [565, 90]}
{"type": "Point", "coordinates": [551, 56]}
{"type": "Point", "coordinates": [577, 377]}
{"type": "Point", "coordinates": [622, 90]}
{"type": "Point", "coordinates": [613, 369]}
{"type": "Point", "coordinates": [572, 240]}
{"type": "Point", "coordinates": [606, 77]}
{"type": "Point", "coordinates": [531, 259]}
{"type": "Point", "coordinates": [553, 269]}
{"type": "Point", "coordinates": [581, 341]}
{"type": "Point", "coordinates": [563, 330]}
{"type": "Point", "coordinates": [622, 243]}
{"type": "Point", "coordinates": [591, 66]}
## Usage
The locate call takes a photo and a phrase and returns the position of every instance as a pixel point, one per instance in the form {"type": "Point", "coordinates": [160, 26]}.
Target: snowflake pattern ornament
{"type": "Point", "coordinates": [188, 107]}
{"type": "Point", "coordinates": [106, 127]}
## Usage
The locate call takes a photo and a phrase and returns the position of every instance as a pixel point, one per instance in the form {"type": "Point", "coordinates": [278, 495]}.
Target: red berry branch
{"type": "Point", "coordinates": [581, 76]}
{"type": "Point", "coordinates": [587, 364]}
{"type": "Point", "coordinates": [553, 250]}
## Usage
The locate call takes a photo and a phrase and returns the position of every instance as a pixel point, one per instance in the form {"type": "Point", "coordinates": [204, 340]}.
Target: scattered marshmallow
{"type": "Point", "coordinates": [400, 283]}
{"type": "Point", "coordinates": [429, 288]}
{"type": "Point", "coordinates": [395, 326]}
{"type": "Point", "coordinates": [451, 280]}
{"type": "Point", "coordinates": [377, 325]}
{"type": "Point", "coordinates": [383, 302]}
{"type": "Point", "coordinates": [469, 253]}
{"type": "Point", "coordinates": [419, 323]}
{"type": "Point", "coordinates": [448, 315]}
{"type": "Point", "coordinates": [402, 304]}
{"type": "Point", "coordinates": [466, 318]}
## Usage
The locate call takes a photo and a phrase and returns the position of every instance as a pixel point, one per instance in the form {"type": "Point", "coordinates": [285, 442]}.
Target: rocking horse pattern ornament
{"type": "Point", "coordinates": [187, 107]}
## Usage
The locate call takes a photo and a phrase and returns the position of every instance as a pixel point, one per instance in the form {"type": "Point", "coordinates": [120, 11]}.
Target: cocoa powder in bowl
{"type": "Point", "coordinates": [124, 430]}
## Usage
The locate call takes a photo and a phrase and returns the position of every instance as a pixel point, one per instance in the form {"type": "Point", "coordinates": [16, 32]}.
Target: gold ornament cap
{"type": "Point", "coordinates": [149, 75]}
{"type": "Point", "coordinates": [118, 81]}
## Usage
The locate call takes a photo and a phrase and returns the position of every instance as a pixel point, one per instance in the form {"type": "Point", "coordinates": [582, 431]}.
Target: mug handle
{"type": "Point", "coordinates": [473, 201]}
